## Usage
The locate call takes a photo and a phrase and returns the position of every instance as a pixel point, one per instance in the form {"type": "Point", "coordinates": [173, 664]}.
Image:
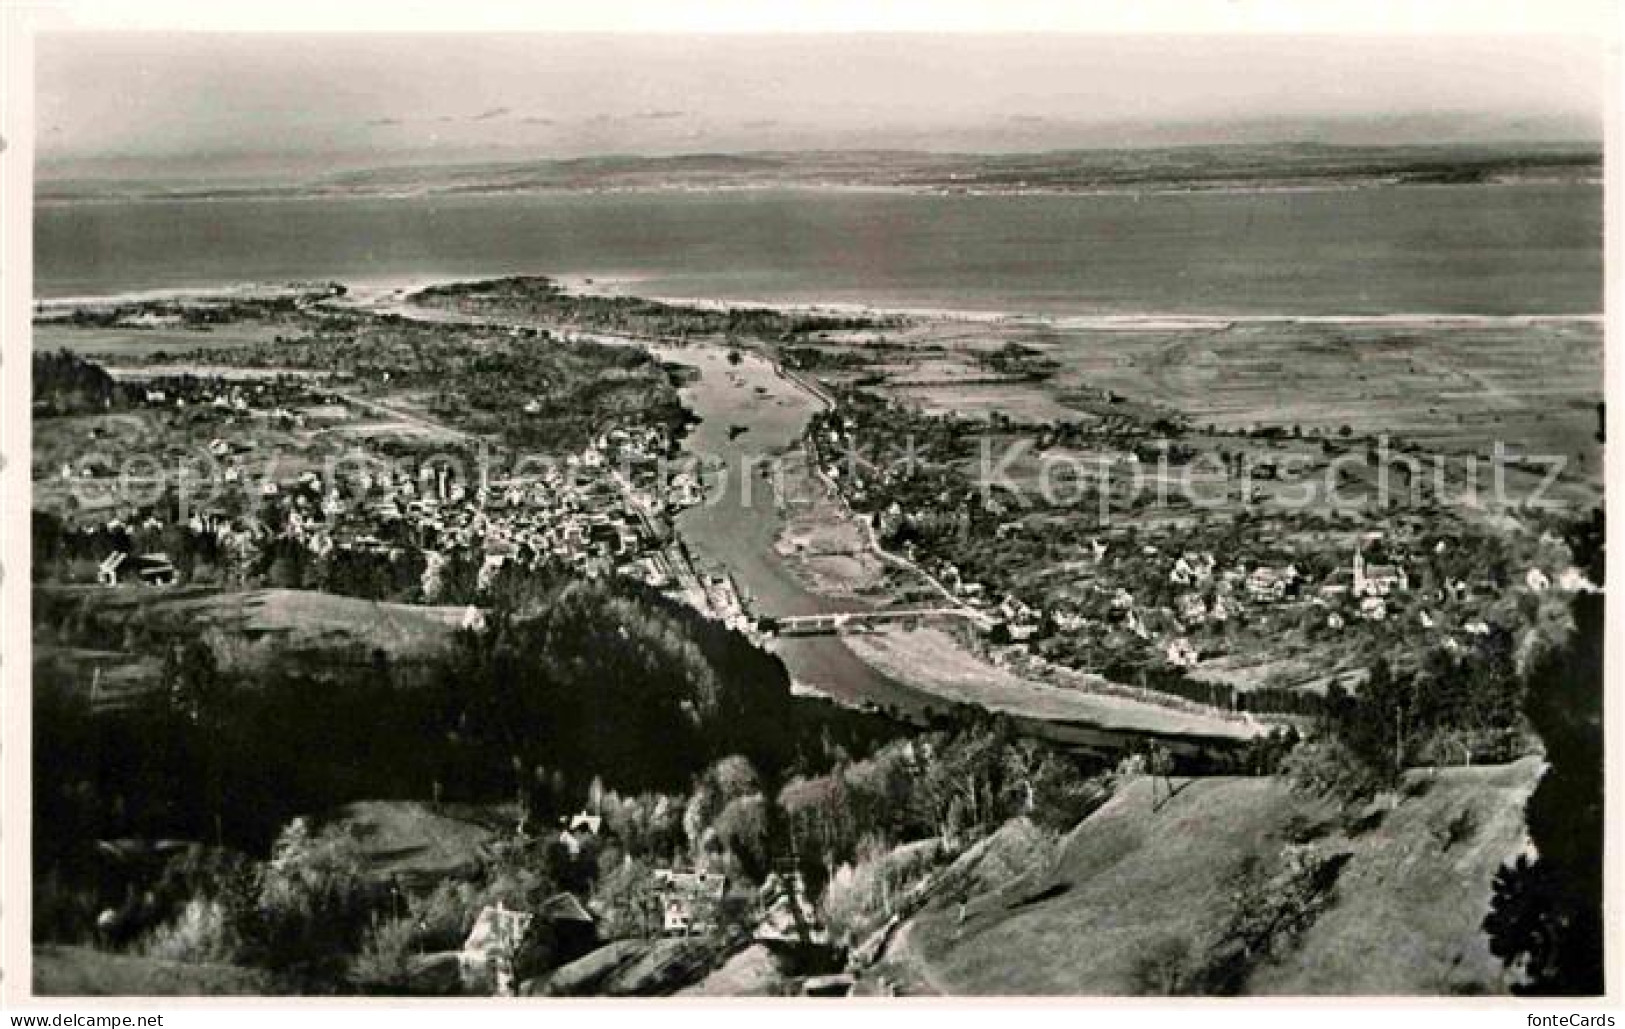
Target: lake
{"type": "Point", "coordinates": [1494, 249]}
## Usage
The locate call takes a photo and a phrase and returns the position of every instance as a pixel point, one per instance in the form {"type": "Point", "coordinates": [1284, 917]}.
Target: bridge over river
{"type": "Point", "coordinates": [831, 622]}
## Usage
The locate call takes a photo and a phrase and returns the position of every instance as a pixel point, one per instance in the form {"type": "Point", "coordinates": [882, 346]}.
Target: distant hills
{"type": "Point", "coordinates": [1191, 167]}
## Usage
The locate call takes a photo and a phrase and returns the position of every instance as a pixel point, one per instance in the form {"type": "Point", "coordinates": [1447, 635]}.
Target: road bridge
{"type": "Point", "coordinates": [831, 622]}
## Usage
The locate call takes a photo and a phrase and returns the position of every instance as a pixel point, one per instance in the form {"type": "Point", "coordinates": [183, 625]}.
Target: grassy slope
{"type": "Point", "coordinates": [1411, 909]}
{"type": "Point", "coordinates": [1405, 921]}
{"type": "Point", "coordinates": [83, 972]}
{"type": "Point", "coordinates": [308, 618]}
{"type": "Point", "coordinates": [320, 626]}
{"type": "Point", "coordinates": [304, 617]}
{"type": "Point", "coordinates": [409, 840]}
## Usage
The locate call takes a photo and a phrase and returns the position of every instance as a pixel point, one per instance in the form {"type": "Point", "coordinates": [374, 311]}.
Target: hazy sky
{"type": "Point", "coordinates": [246, 102]}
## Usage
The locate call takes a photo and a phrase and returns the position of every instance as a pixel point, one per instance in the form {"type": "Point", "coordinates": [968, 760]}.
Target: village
{"type": "Point", "coordinates": [1248, 604]}
{"type": "Point", "coordinates": [285, 468]}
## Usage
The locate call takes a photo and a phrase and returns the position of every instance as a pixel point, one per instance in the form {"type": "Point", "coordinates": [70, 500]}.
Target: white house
{"type": "Point", "coordinates": [107, 572]}
{"type": "Point", "coordinates": [1378, 580]}
{"type": "Point", "coordinates": [1182, 573]}
{"type": "Point", "coordinates": [1181, 653]}
{"type": "Point", "coordinates": [1191, 608]}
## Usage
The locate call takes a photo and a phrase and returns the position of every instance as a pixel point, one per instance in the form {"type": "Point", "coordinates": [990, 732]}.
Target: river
{"type": "Point", "coordinates": [735, 529]}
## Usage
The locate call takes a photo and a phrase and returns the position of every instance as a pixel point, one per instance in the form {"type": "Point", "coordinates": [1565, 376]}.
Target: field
{"type": "Point", "coordinates": [83, 972]}
{"type": "Point", "coordinates": [247, 624]}
{"type": "Point", "coordinates": [826, 549]}
{"type": "Point", "coordinates": [1404, 917]}
{"type": "Point", "coordinates": [413, 843]}
{"type": "Point", "coordinates": [118, 345]}
{"type": "Point", "coordinates": [1451, 385]}
{"type": "Point", "coordinates": [1455, 385]}
{"type": "Point", "coordinates": [303, 618]}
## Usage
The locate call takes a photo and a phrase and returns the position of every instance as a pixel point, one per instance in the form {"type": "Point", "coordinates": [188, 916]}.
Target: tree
{"type": "Point", "coordinates": [1327, 767]}
{"type": "Point", "coordinates": [744, 829]}
{"type": "Point", "coordinates": [1162, 967]}
{"type": "Point", "coordinates": [1377, 725]}
{"type": "Point", "coordinates": [192, 678]}
{"type": "Point", "coordinates": [1546, 915]}
{"type": "Point", "coordinates": [312, 902]}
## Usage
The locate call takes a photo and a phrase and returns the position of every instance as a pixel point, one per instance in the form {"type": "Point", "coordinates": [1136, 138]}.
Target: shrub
{"type": "Point", "coordinates": [64, 912]}
{"type": "Point", "coordinates": [203, 933]}
{"type": "Point", "coordinates": [1162, 967]}
{"type": "Point", "coordinates": [864, 893]}
{"type": "Point", "coordinates": [1268, 908]}
{"type": "Point", "coordinates": [743, 829]}
{"type": "Point", "coordinates": [445, 915]}
{"type": "Point", "coordinates": [1301, 829]}
{"type": "Point", "coordinates": [626, 902]}
{"type": "Point", "coordinates": [385, 961]}
{"type": "Point", "coordinates": [1328, 768]}
{"type": "Point", "coordinates": [313, 902]}
{"type": "Point", "coordinates": [1460, 828]}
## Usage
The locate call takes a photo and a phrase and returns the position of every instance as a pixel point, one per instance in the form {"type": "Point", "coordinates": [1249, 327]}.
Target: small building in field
{"type": "Point", "coordinates": [155, 570]}
{"type": "Point", "coordinates": [1378, 580]}
{"type": "Point", "coordinates": [107, 571]}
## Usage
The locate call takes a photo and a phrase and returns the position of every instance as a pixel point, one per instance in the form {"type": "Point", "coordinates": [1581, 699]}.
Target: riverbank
{"type": "Point", "coordinates": [1147, 321]}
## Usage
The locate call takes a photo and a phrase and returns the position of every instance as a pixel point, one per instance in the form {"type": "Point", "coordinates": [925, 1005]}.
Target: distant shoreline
{"type": "Point", "coordinates": [1146, 321]}
{"type": "Point", "coordinates": [362, 291]}
{"type": "Point", "coordinates": [276, 194]}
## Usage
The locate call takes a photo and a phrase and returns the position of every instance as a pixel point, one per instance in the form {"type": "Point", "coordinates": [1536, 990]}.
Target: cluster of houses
{"type": "Point", "coordinates": [506, 944]}
{"type": "Point", "coordinates": [276, 398]}
{"type": "Point", "coordinates": [581, 513]}
{"type": "Point", "coordinates": [603, 510]}
{"type": "Point", "coordinates": [1209, 594]}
